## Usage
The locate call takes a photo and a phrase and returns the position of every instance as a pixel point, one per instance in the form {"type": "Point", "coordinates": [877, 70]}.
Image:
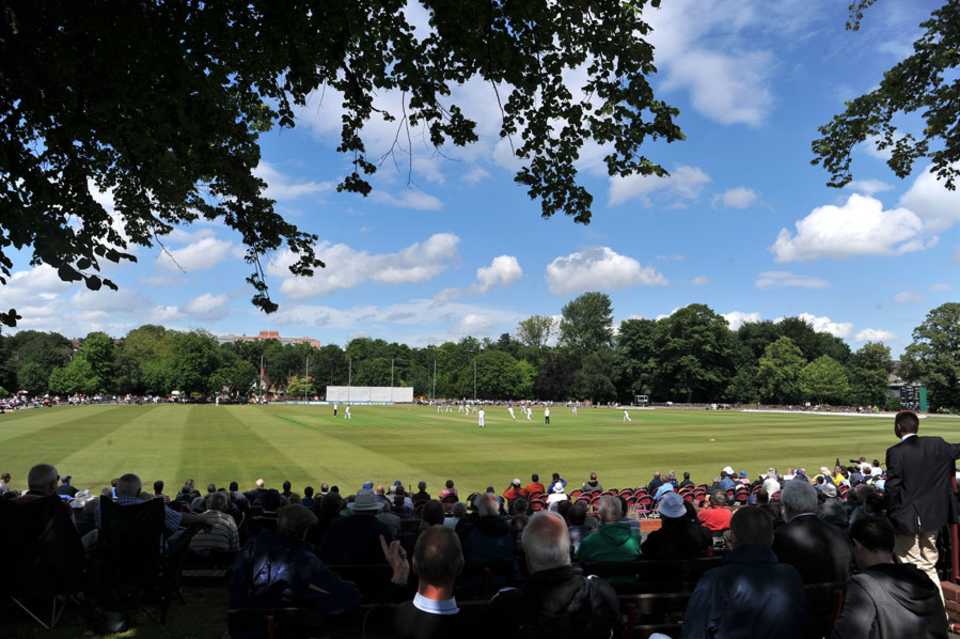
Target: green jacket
{"type": "Point", "coordinates": [611, 542]}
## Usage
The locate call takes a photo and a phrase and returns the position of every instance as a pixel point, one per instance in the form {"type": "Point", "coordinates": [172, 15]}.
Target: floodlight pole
{"type": "Point", "coordinates": [349, 377]}
{"type": "Point", "coordinates": [306, 378]}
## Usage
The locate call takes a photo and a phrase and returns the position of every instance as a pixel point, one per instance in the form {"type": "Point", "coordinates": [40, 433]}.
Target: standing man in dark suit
{"type": "Point", "coordinates": [919, 492]}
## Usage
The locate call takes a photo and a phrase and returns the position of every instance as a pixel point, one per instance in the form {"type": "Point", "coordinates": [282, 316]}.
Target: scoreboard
{"type": "Point", "coordinates": [914, 397]}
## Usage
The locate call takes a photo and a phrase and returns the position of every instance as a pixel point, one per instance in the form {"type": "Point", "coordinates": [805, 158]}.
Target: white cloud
{"type": "Point", "coordinates": [938, 207]}
{"type": "Point", "coordinates": [874, 335]}
{"type": "Point", "coordinates": [684, 183]}
{"type": "Point", "coordinates": [281, 187]}
{"type": "Point", "coordinates": [408, 199]}
{"type": "Point", "coordinates": [738, 198]}
{"type": "Point", "coordinates": [451, 320]}
{"type": "Point", "coordinates": [475, 175]}
{"type": "Point", "coordinates": [38, 285]}
{"type": "Point", "coordinates": [503, 271]}
{"type": "Point", "coordinates": [940, 287]}
{"type": "Point", "coordinates": [599, 268]}
{"type": "Point", "coordinates": [203, 254]}
{"type": "Point", "coordinates": [736, 319]}
{"type": "Point", "coordinates": [207, 307]}
{"type": "Point", "coordinates": [700, 280]}
{"type": "Point", "coordinates": [164, 313]}
{"type": "Point", "coordinates": [868, 187]}
{"type": "Point", "coordinates": [823, 324]}
{"type": "Point", "coordinates": [348, 267]}
{"type": "Point", "coordinates": [666, 315]}
{"type": "Point", "coordinates": [908, 297]}
{"type": "Point", "coordinates": [859, 227]}
{"type": "Point", "coordinates": [727, 88]}
{"type": "Point", "coordinates": [784, 279]}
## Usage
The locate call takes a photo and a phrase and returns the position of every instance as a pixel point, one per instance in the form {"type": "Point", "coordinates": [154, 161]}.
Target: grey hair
{"type": "Point", "coordinates": [546, 542]}
{"type": "Point", "coordinates": [798, 498]}
{"type": "Point", "coordinates": [610, 510]}
{"type": "Point", "coordinates": [42, 478]}
{"type": "Point", "coordinates": [486, 507]}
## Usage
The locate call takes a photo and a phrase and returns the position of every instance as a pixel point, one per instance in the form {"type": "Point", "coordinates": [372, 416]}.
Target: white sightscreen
{"type": "Point", "coordinates": [370, 394]}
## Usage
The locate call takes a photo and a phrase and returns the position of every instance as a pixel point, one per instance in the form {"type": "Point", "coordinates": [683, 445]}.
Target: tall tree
{"type": "Point", "coordinates": [934, 356]}
{"type": "Point", "coordinates": [535, 331]}
{"type": "Point", "coordinates": [825, 381]}
{"type": "Point", "coordinates": [694, 353]}
{"type": "Point", "coordinates": [98, 349]}
{"type": "Point", "coordinates": [162, 105]}
{"type": "Point", "coordinates": [778, 372]}
{"type": "Point", "coordinates": [587, 323]}
{"type": "Point", "coordinates": [636, 363]}
{"type": "Point", "coordinates": [870, 369]}
{"type": "Point", "coordinates": [78, 376]}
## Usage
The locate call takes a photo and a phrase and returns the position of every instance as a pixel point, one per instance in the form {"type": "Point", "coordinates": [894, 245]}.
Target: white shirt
{"type": "Point", "coordinates": [546, 412]}
{"type": "Point", "coordinates": [555, 498]}
{"type": "Point", "coordinates": [771, 485]}
{"type": "Point", "coordinates": [435, 606]}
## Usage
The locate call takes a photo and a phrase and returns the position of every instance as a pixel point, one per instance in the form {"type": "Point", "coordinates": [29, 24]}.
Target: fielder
{"type": "Point", "coordinates": [626, 416]}
{"type": "Point", "coordinates": [346, 412]}
{"type": "Point", "coordinates": [513, 415]}
{"type": "Point", "coordinates": [482, 418]}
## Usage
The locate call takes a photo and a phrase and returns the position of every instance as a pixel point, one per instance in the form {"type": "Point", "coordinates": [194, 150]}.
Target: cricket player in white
{"type": "Point", "coordinates": [546, 415]}
{"type": "Point", "coordinates": [513, 415]}
{"type": "Point", "coordinates": [529, 414]}
{"type": "Point", "coordinates": [482, 418]}
{"type": "Point", "coordinates": [346, 412]}
{"type": "Point", "coordinates": [626, 416]}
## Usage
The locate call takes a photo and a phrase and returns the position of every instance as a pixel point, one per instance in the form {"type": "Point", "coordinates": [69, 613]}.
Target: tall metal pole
{"type": "Point", "coordinates": [474, 379]}
{"type": "Point", "coordinates": [349, 377]}
{"type": "Point", "coordinates": [391, 378]}
{"type": "Point", "coordinates": [306, 378]}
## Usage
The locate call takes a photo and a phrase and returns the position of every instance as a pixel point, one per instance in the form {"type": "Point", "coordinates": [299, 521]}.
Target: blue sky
{"type": "Point", "coordinates": [744, 223]}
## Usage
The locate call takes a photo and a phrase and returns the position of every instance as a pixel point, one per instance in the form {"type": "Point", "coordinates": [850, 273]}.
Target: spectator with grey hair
{"type": "Point", "coordinates": [280, 570]}
{"type": "Point", "coordinates": [818, 550]}
{"type": "Point", "coordinates": [717, 515]}
{"type": "Point", "coordinates": [221, 534]}
{"type": "Point", "coordinates": [557, 601]}
{"type": "Point", "coordinates": [41, 482]}
{"type": "Point", "coordinates": [130, 493]}
{"type": "Point", "coordinates": [751, 594]}
{"type": "Point", "coordinates": [614, 540]}
{"type": "Point", "coordinates": [488, 537]}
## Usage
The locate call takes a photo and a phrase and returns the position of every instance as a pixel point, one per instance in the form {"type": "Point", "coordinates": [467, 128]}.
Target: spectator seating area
{"type": "Point", "coordinates": [106, 557]}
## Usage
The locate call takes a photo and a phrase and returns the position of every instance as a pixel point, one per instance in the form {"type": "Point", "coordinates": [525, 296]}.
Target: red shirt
{"type": "Point", "coordinates": [512, 493]}
{"type": "Point", "coordinates": [535, 487]}
{"type": "Point", "coordinates": [715, 519]}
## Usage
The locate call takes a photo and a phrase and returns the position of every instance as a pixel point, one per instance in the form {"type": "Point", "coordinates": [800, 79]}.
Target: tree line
{"type": "Point", "coordinates": [690, 356]}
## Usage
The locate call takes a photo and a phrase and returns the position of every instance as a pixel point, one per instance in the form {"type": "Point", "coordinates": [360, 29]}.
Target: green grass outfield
{"type": "Point", "coordinates": [305, 444]}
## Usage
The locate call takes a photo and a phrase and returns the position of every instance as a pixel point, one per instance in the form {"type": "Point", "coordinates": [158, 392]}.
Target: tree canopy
{"type": "Point", "coordinates": [924, 83]}
{"type": "Point", "coordinates": [688, 356]}
{"type": "Point", "coordinates": [124, 120]}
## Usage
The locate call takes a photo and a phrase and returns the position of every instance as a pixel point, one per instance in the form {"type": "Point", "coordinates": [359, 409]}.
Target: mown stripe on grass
{"type": "Point", "coordinates": [223, 443]}
{"type": "Point", "coordinates": [61, 438]}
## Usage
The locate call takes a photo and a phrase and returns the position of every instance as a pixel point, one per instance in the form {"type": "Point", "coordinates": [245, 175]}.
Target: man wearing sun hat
{"type": "Point", "coordinates": [680, 536]}
{"type": "Point", "coordinates": [356, 539]}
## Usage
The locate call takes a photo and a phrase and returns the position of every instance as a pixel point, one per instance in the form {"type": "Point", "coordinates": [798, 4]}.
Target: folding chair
{"type": "Point", "coordinates": [43, 556]}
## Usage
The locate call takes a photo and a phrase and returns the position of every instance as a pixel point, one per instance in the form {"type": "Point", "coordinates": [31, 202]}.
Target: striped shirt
{"type": "Point", "coordinates": [222, 536]}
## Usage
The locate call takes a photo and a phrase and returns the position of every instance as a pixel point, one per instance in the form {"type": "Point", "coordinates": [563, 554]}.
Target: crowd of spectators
{"type": "Point", "coordinates": [535, 544]}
